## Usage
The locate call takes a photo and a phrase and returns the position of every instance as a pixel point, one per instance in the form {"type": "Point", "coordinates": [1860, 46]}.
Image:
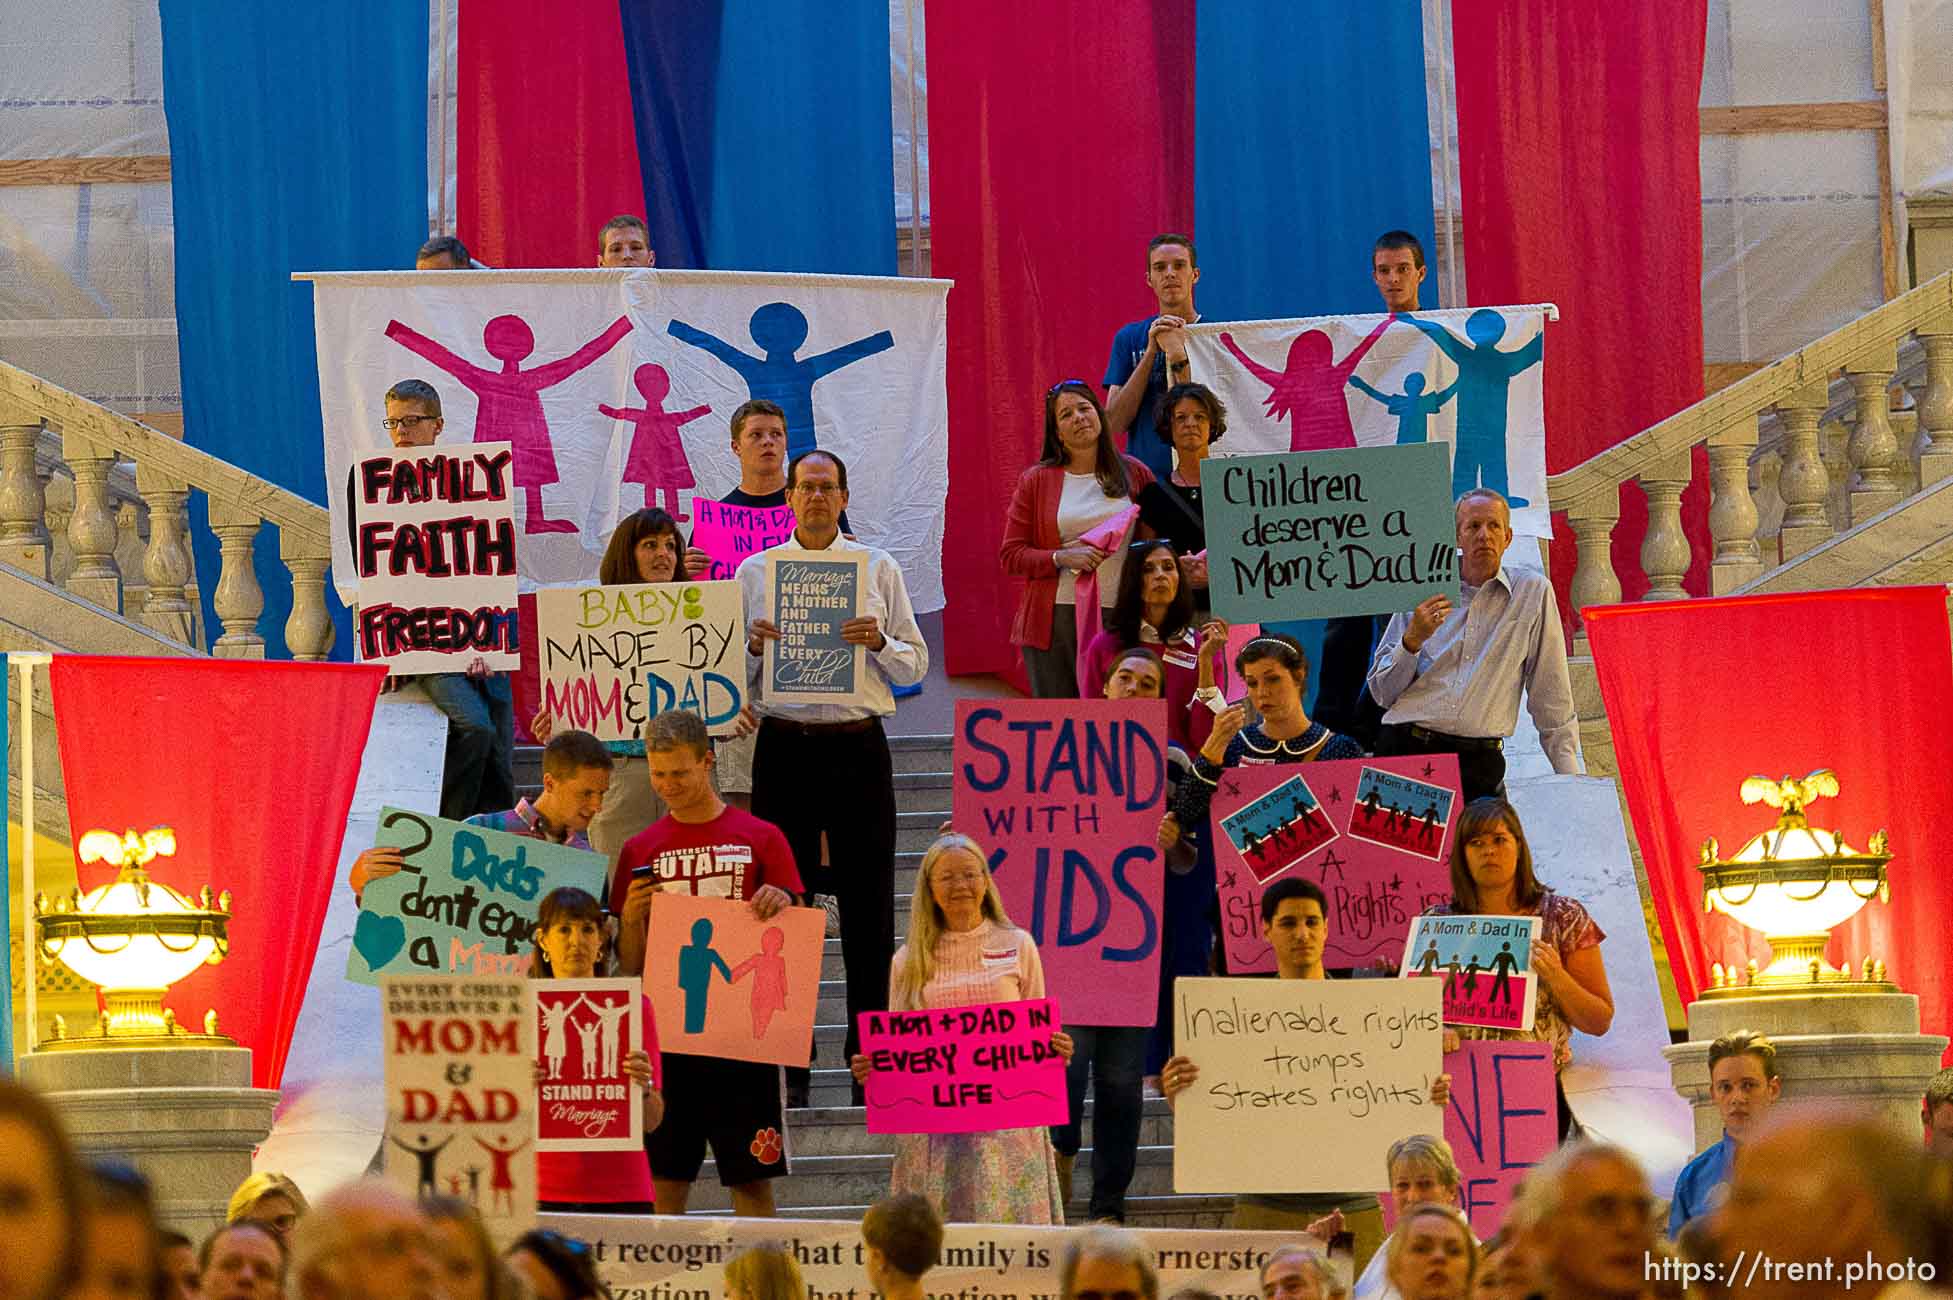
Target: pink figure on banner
{"type": "Point", "coordinates": [1309, 393]}
{"type": "Point", "coordinates": [657, 455]}
{"type": "Point", "coordinates": [509, 400]}
{"type": "Point", "coordinates": [501, 1184]}
{"type": "Point", "coordinates": [587, 1031]}
{"type": "Point", "coordinates": [769, 971]}
{"type": "Point", "coordinates": [455, 1183]}
{"type": "Point", "coordinates": [610, 1014]}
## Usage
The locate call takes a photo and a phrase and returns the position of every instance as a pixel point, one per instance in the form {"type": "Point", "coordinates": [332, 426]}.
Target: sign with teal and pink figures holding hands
{"type": "Point", "coordinates": [723, 982]}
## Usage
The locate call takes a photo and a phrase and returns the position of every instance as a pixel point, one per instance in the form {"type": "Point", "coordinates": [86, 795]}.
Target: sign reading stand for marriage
{"type": "Point", "coordinates": [811, 594]}
{"type": "Point", "coordinates": [1325, 534]}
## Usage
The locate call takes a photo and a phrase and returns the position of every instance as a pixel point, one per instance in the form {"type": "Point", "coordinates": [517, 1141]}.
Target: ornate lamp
{"type": "Point", "coordinates": [1794, 883]}
{"type": "Point", "coordinates": [134, 938]}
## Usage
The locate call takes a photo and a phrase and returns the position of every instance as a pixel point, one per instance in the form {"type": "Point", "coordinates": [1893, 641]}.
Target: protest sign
{"type": "Point", "coordinates": [1501, 1121]}
{"type": "Point", "coordinates": [1375, 885]}
{"type": "Point", "coordinates": [811, 594]}
{"type": "Point", "coordinates": [1486, 964]}
{"type": "Point", "coordinates": [614, 657]}
{"type": "Point", "coordinates": [465, 903]}
{"type": "Point", "coordinates": [974, 1069]}
{"type": "Point", "coordinates": [1304, 1084]}
{"type": "Point", "coordinates": [1068, 796]}
{"type": "Point", "coordinates": [585, 1029]}
{"type": "Point", "coordinates": [1326, 534]}
{"type": "Point", "coordinates": [730, 533]}
{"type": "Point", "coordinates": [664, 1257]}
{"type": "Point", "coordinates": [695, 941]}
{"type": "Point", "coordinates": [434, 549]}
{"type": "Point", "coordinates": [459, 1083]}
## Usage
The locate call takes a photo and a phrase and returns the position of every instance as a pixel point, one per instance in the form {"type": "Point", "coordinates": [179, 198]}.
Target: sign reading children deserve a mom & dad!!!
{"type": "Point", "coordinates": [1324, 534]}
{"type": "Point", "coordinates": [614, 657]}
{"type": "Point", "coordinates": [811, 594]}
{"type": "Point", "coordinates": [974, 1069]}
{"type": "Point", "coordinates": [1067, 796]}
{"type": "Point", "coordinates": [465, 902]}
{"type": "Point", "coordinates": [1304, 1084]}
{"type": "Point", "coordinates": [434, 550]}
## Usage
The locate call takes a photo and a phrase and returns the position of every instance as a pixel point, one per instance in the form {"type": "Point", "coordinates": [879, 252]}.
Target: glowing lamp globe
{"type": "Point", "coordinates": [134, 937]}
{"type": "Point", "coordinates": [1794, 883]}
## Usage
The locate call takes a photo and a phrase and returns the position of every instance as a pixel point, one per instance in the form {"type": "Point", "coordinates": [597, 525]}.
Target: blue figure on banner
{"type": "Point", "coordinates": [779, 376]}
{"type": "Point", "coordinates": [1484, 375]}
{"type": "Point", "coordinates": [1413, 407]}
{"type": "Point", "coordinates": [696, 962]}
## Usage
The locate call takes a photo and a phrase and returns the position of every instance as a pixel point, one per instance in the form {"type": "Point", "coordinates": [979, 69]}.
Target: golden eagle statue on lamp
{"type": "Point", "coordinates": [133, 938]}
{"type": "Point", "coordinates": [1794, 883]}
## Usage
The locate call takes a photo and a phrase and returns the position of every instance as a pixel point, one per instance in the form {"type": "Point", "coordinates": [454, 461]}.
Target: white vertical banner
{"type": "Point", "coordinates": [1470, 377]}
{"type": "Point", "coordinates": [616, 390]}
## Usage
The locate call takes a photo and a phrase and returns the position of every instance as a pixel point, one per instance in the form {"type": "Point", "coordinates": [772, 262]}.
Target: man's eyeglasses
{"type": "Point", "coordinates": [818, 489]}
{"type": "Point", "coordinates": [408, 422]}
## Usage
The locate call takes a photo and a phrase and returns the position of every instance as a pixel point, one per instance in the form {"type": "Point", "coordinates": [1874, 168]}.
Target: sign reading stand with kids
{"type": "Point", "coordinates": [724, 983]}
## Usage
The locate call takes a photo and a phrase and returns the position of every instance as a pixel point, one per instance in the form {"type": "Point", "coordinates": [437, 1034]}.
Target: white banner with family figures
{"type": "Point", "coordinates": [1470, 376]}
{"type": "Point", "coordinates": [617, 390]}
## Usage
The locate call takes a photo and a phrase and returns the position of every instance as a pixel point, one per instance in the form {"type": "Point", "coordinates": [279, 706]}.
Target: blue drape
{"type": "Point", "coordinates": [765, 136]}
{"type": "Point", "coordinates": [1310, 140]}
{"type": "Point", "coordinates": [298, 142]}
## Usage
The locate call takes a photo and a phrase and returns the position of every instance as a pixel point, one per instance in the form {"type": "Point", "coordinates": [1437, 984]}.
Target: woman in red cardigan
{"type": "Point", "coordinates": [1079, 482]}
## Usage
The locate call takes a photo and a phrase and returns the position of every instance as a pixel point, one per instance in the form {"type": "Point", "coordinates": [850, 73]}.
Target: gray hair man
{"type": "Point", "coordinates": [364, 1240]}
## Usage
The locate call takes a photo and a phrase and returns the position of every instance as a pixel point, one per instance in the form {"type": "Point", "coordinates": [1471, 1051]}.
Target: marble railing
{"type": "Point", "coordinates": [1815, 482]}
{"type": "Point", "coordinates": [96, 502]}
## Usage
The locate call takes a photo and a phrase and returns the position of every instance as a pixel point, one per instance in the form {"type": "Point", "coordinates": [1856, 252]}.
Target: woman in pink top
{"type": "Point", "coordinates": [1155, 608]}
{"type": "Point", "coordinates": [963, 951]}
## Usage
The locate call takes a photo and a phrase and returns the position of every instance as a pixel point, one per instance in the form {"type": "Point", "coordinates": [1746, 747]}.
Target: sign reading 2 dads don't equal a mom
{"type": "Point", "coordinates": [811, 594]}
{"type": "Point", "coordinates": [1323, 534]}
{"type": "Point", "coordinates": [613, 657]}
{"type": "Point", "coordinates": [465, 902]}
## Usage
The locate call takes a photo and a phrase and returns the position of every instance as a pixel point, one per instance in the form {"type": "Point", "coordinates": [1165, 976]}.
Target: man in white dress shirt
{"type": "Point", "coordinates": [1449, 676]}
{"type": "Point", "coordinates": [826, 767]}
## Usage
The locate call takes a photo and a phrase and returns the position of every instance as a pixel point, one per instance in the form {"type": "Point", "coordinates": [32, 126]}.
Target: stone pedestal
{"type": "Point", "coordinates": [187, 1117]}
{"type": "Point", "coordinates": [1862, 1051]}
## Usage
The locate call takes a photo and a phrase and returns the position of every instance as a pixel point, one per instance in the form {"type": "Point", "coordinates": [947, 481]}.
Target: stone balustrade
{"type": "Point", "coordinates": [1824, 474]}
{"type": "Point", "coordinates": [70, 514]}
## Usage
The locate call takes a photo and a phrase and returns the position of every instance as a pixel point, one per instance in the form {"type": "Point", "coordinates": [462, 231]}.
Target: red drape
{"type": "Point", "coordinates": [1578, 155]}
{"type": "Point", "coordinates": [1703, 693]}
{"type": "Point", "coordinates": [1061, 140]}
{"type": "Point", "coordinates": [254, 765]}
{"type": "Point", "coordinates": [546, 147]}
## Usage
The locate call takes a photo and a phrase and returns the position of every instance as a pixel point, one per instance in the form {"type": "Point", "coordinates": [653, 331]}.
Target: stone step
{"type": "Point", "coordinates": [1173, 1211]}
{"type": "Point", "coordinates": [841, 1130]}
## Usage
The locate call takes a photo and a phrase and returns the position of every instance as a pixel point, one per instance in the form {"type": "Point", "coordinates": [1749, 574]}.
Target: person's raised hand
{"type": "Point", "coordinates": [1425, 620]}
{"type": "Point", "coordinates": [860, 1067]}
{"type": "Point", "coordinates": [1326, 1228]}
{"type": "Point", "coordinates": [1082, 558]}
{"type": "Point", "coordinates": [371, 865]}
{"type": "Point", "coordinates": [1169, 831]}
{"type": "Point", "coordinates": [637, 903]}
{"type": "Point", "coordinates": [542, 726]}
{"type": "Point", "coordinates": [864, 630]}
{"type": "Point", "coordinates": [746, 723]}
{"type": "Point", "coordinates": [477, 669]}
{"type": "Point", "coordinates": [1227, 725]}
{"type": "Point", "coordinates": [1547, 964]}
{"type": "Point", "coordinates": [758, 633]}
{"type": "Point", "coordinates": [1441, 1090]}
{"type": "Point", "coordinates": [768, 900]}
{"type": "Point", "coordinates": [1451, 1041]}
{"type": "Point", "coordinates": [1213, 639]}
{"type": "Point", "coordinates": [1177, 1075]}
{"type": "Point", "coordinates": [1062, 1044]}
{"type": "Point", "coordinates": [697, 563]}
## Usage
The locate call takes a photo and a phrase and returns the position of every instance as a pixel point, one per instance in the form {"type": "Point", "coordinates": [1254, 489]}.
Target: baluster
{"type": "Point", "coordinates": [238, 598]}
{"type": "Point", "coordinates": [59, 494]}
{"type": "Point", "coordinates": [1833, 441]}
{"type": "Point", "coordinates": [1594, 581]}
{"type": "Point", "coordinates": [92, 532]}
{"type": "Point", "coordinates": [1732, 512]}
{"type": "Point", "coordinates": [1665, 550]}
{"type": "Point", "coordinates": [1936, 403]}
{"type": "Point", "coordinates": [1805, 484]}
{"type": "Point", "coordinates": [167, 607]}
{"type": "Point", "coordinates": [1877, 484]}
{"type": "Point", "coordinates": [308, 632]}
{"type": "Point", "coordinates": [192, 588]}
{"type": "Point", "coordinates": [131, 545]}
{"type": "Point", "coordinates": [23, 501]}
{"type": "Point", "coordinates": [1766, 477]}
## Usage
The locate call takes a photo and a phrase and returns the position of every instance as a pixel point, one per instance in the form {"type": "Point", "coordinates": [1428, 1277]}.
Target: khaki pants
{"type": "Point", "coordinates": [1367, 1225]}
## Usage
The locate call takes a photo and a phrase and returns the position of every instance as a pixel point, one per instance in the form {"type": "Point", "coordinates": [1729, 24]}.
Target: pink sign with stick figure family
{"type": "Point", "coordinates": [724, 983]}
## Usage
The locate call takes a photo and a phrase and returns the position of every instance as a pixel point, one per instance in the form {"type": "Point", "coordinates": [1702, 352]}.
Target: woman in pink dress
{"type": "Point", "coordinates": [963, 951]}
{"type": "Point", "coordinates": [657, 455]}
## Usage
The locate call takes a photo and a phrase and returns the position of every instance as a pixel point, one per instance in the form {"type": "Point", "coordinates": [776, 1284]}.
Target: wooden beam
{"type": "Point", "coordinates": [85, 171]}
{"type": "Point", "coordinates": [1888, 240]}
{"type": "Point", "coordinates": [1761, 119]}
{"type": "Point", "coordinates": [1876, 9]}
{"type": "Point", "coordinates": [1721, 374]}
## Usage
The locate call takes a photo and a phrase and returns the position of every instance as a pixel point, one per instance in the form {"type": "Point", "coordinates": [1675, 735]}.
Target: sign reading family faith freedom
{"type": "Point", "coordinates": [1372, 832]}
{"type": "Point", "coordinates": [616, 388]}
{"type": "Point", "coordinates": [587, 1029]}
{"type": "Point", "coordinates": [1326, 534]}
{"type": "Point", "coordinates": [1304, 1084]}
{"type": "Point", "coordinates": [1469, 380]}
{"type": "Point", "coordinates": [434, 550]}
{"type": "Point", "coordinates": [459, 1079]}
{"type": "Point", "coordinates": [811, 594]}
{"type": "Point", "coordinates": [465, 903]}
{"type": "Point", "coordinates": [724, 983]}
{"type": "Point", "coordinates": [730, 533]}
{"type": "Point", "coordinates": [1067, 795]}
{"type": "Point", "coordinates": [614, 657]}
{"type": "Point", "coordinates": [1485, 962]}
{"type": "Point", "coordinates": [975, 1069]}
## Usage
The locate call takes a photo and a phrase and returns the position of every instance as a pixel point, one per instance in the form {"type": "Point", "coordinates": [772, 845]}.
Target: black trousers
{"type": "Point", "coordinates": [1343, 700]}
{"type": "Point", "coordinates": [1481, 767]}
{"type": "Point", "coordinates": [841, 782]}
